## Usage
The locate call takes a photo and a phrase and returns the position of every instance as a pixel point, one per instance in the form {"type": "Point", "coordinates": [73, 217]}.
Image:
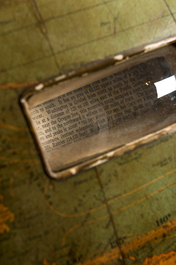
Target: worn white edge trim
{"type": "Point", "coordinates": [58, 78]}
{"type": "Point", "coordinates": [118, 57]}
{"type": "Point", "coordinates": [39, 87]}
{"type": "Point", "coordinates": [159, 44]}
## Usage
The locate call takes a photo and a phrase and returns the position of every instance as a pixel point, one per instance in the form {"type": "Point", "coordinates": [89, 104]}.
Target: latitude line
{"type": "Point", "coordinates": [79, 10]}
{"type": "Point", "coordinates": [152, 236]}
{"type": "Point", "coordinates": [115, 212]}
{"type": "Point", "coordinates": [109, 35]}
{"type": "Point", "coordinates": [75, 47]}
{"type": "Point", "coordinates": [108, 201]}
{"type": "Point", "coordinates": [46, 20]}
{"type": "Point", "coordinates": [57, 17]}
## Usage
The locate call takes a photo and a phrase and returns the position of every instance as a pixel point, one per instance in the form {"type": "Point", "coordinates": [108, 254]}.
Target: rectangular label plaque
{"type": "Point", "coordinates": [82, 122]}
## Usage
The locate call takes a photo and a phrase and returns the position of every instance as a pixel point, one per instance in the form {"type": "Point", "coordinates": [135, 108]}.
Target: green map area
{"type": "Point", "coordinates": [96, 212]}
{"type": "Point", "coordinates": [121, 212]}
{"type": "Point", "coordinates": [69, 34]}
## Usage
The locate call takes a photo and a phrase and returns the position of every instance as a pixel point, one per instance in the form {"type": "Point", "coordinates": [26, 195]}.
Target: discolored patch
{"type": "Point", "coordinates": [45, 262]}
{"type": "Point", "coordinates": [162, 259]}
{"type": "Point", "coordinates": [5, 215]}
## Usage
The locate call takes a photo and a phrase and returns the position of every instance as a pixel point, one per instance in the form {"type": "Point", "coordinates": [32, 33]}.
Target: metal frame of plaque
{"type": "Point", "coordinates": [83, 119]}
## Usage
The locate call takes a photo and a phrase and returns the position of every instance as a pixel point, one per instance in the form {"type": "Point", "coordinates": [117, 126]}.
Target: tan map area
{"type": "Point", "coordinates": [163, 259]}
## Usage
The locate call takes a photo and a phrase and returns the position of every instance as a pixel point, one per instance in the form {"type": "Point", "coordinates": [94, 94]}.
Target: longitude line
{"type": "Point", "coordinates": [41, 21]}
{"type": "Point", "coordinates": [168, 7]}
{"type": "Point", "coordinates": [110, 215]}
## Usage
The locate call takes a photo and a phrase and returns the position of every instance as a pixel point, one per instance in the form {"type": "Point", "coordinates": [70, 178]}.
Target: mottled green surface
{"type": "Point", "coordinates": [72, 221]}
{"type": "Point", "coordinates": [70, 218]}
{"type": "Point", "coordinates": [79, 32]}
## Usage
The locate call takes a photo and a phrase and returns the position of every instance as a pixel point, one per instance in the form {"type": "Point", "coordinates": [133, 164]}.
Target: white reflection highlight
{"type": "Point", "coordinates": [165, 86]}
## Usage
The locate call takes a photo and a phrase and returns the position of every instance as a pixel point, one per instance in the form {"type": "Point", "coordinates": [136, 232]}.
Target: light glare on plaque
{"type": "Point", "coordinates": [165, 86]}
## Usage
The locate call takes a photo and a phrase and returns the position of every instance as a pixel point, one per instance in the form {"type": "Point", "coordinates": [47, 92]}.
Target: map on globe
{"type": "Point", "coordinates": [120, 212]}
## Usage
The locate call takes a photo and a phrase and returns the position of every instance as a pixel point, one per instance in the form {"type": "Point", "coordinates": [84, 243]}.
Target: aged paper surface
{"type": "Point", "coordinates": [101, 115]}
{"type": "Point", "coordinates": [73, 221]}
